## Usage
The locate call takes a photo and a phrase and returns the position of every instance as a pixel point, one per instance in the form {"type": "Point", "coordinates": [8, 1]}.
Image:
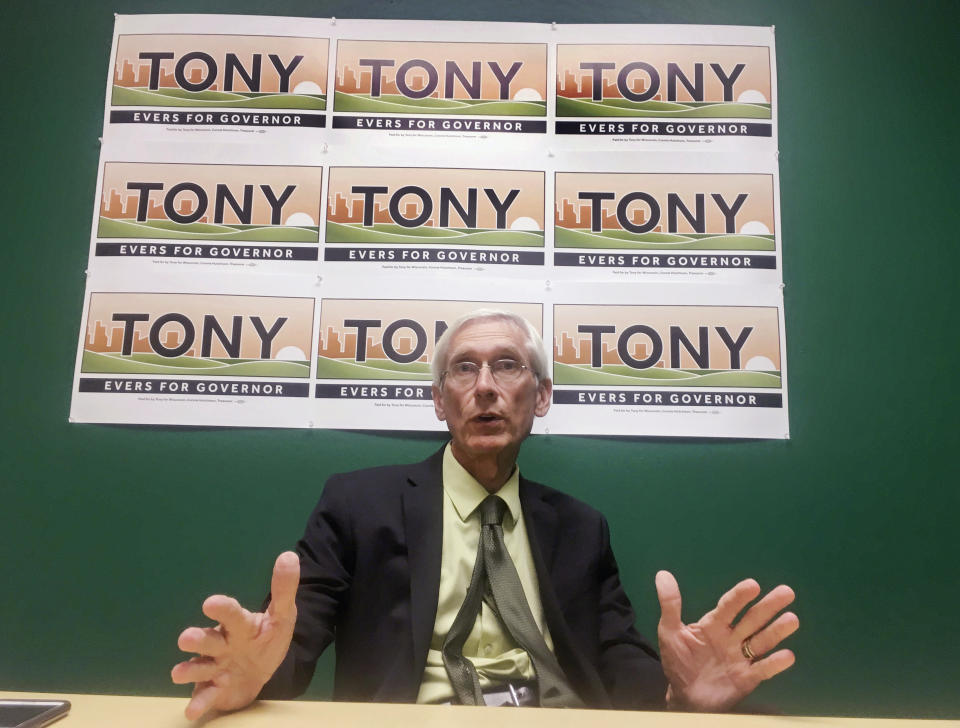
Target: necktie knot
{"type": "Point", "coordinates": [492, 510]}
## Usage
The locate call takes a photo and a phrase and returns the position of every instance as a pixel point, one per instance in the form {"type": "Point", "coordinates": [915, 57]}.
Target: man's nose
{"type": "Point", "coordinates": [486, 384]}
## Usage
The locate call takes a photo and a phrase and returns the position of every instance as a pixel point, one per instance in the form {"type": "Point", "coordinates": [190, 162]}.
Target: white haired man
{"type": "Point", "coordinates": [458, 580]}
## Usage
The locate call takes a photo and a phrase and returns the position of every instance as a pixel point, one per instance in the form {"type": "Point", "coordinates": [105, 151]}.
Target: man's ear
{"type": "Point", "coordinates": [438, 402]}
{"type": "Point", "coordinates": [544, 395]}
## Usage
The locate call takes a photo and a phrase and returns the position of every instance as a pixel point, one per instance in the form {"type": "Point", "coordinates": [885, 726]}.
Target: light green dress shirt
{"type": "Point", "coordinates": [489, 647]}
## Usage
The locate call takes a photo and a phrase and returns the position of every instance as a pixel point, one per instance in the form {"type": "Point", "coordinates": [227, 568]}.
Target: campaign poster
{"type": "Point", "coordinates": [694, 85]}
{"type": "Point", "coordinates": [176, 73]}
{"type": "Point", "coordinates": [234, 215]}
{"type": "Point", "coordinates": [677, 225]}
{"type": "Point", "coordinates": [393, 220]}
{"type": "Point", "coordinates": [374, 357]}
{"type": "Point", "coordinates": [194, 359]}
{"type": "Point", "coordinates": [440, 83]}
{"type": "Point", "coordinates": [683, 364]}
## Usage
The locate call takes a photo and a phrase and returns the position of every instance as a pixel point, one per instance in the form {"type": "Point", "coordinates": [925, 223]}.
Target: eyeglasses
{"type": "Point", "coordinates": [465, 373]}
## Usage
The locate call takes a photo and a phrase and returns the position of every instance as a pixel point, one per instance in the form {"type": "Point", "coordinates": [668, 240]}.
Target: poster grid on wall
{"type": "Point", "coordinates": [290, 211]}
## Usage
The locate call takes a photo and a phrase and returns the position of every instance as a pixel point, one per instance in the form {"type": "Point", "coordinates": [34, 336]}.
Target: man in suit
{"type": "Point", "coordinates": [392, 556]}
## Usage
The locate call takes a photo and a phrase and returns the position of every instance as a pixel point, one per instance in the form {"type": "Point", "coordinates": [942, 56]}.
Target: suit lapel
{"type": "Point", "coordinates": [541, 521]}
{"type": "Point", "coordinates": [423, 527]}
{"type": "Point", "coordinates": [542, 524]}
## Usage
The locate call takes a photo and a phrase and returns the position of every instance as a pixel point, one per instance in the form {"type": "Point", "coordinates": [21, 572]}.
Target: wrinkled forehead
{"type": "Point", "coordinates": [488, 339]}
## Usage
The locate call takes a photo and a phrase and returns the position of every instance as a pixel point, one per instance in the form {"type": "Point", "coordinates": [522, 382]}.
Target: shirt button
{"type": "Point", "coordinates": [488, 649]}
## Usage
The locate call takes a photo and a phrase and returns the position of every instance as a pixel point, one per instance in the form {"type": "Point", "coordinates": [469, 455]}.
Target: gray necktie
{"type": "Point", "coordinates": [494, 570]}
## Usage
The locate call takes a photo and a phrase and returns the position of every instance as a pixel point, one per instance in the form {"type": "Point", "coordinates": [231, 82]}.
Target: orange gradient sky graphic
{"type": "Point", "coordinates": [758, 207]}
{"type": "Point", "coordinates": [532, 75]}
{"type": "Point", "coordinates": [339, 341]}
{"type": "Point", "coordinates": [754, 77]}
{"type": "Point", "coordinates": [116, 201]}
{"type": "Point", "coordinates": [311, 70]}
{"type": "Point", "coordinates": [528, 203]}
{"type": "Point", "coordinates": [764, 340]}
{"type": "Point", "coordinates": [296, 331]}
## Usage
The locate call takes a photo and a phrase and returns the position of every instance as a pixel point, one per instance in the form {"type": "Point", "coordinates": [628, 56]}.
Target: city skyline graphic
{"type": "Point", "coordinates": [354, 79]}
{"type": "Point", "coordinates": [574, 348]}
{"type": "Point", "coordinates": [309, 77]}
{"type": "Point", "coordinates": [347, 208]}
{"type": "Point", "coordinates": [574, 82]}
{"type": "Point", "coordinates": [756, 212]}
{"type": "Point", "coordinates": [301, 208]}
{"type": "Point", "coordinates": [337, 346]}
{"type": "Point", "coordinates": [289, 341]}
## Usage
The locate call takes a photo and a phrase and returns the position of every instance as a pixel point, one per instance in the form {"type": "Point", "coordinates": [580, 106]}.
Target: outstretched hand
{"type": "Point", "coordinates": [705, 662]}
{"type": "Point", "coordinates": [237, 657]}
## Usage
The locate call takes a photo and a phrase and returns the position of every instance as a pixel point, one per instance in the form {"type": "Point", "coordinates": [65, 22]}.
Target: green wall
{"type": "Point", "coordinates": [111, 536]}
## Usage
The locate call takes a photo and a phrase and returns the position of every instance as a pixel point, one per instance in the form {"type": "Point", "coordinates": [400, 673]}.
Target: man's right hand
{"type": "Point", "coordinates": [237, 657]}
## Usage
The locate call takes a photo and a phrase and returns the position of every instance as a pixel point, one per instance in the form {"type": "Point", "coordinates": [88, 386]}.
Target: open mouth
{"type": "Point", "coordinates": [487, 418]}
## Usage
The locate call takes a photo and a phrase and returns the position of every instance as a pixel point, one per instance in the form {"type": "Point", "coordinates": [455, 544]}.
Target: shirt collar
{"type": "Point", "coordinates": [467, 494]}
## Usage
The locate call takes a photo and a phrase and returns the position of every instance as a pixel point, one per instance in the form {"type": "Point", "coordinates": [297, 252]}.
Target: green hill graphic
{"type": "Point", "coordinates": [388, 233]}
{"type": "Point", "coordinates": [662, 109]}
{"type": "Point", "coordinates": [124, 96]}
{"type": "Point", "coordinates": [371, 369]}
{"type": "Point", "coordinates": [167, 229]}
{"type": "Point", "coordinates": [112, 363]}
{"type": "Point", "coordinates": [623, 239]}
{"type": "Point", "coordinates": [626, 376]}
{"type": "Point", "coordinates": [397, 104]}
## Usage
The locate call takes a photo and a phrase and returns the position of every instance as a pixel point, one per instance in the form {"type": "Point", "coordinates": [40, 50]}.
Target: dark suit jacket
{"type": "Point", "coordinates": [370, 575]}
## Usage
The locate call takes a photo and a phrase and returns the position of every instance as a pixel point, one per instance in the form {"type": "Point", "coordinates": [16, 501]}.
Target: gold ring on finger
{"type": "Point", "coordinates": [746, 651]}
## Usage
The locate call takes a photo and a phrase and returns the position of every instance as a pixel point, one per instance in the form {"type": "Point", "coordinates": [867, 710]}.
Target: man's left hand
{"type": "Point", "coordinates": [705, 662]}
